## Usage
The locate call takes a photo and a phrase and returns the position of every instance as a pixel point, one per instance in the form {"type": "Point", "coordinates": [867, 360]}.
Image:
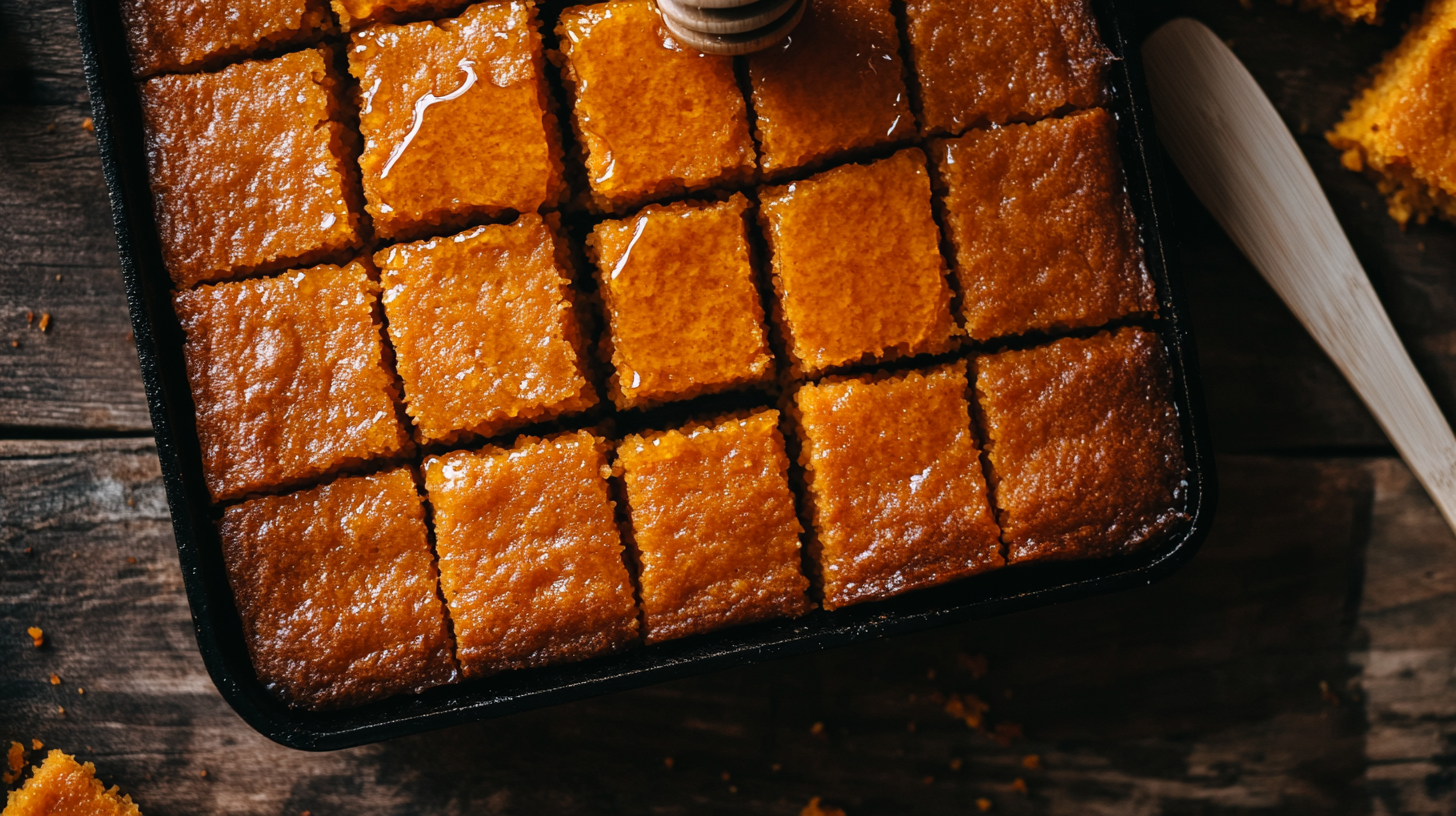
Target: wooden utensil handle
{"type": "Point", "coordinates": [1242, 162]}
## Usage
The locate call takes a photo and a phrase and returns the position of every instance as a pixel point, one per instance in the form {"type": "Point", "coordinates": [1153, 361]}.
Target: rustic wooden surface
{"type": "Point", "coordinates": [1305, 662]}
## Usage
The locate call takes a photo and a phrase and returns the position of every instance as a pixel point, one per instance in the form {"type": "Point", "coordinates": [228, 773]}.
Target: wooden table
{"type": "Point", "coordinates": [1303, 663]}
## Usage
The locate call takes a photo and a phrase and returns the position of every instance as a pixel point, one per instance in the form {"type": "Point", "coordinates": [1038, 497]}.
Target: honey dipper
{"type": "Point", "coordinates": [730, 27]}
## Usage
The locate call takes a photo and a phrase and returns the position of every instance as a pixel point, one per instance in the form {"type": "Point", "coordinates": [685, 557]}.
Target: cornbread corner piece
{"type": "Point", "coordinates": [187, 35]}
{"type": "Point", "coordinates": [531, 561]}
{"type": "Point", "coordinates": [654, 117]}
{"type": "Point", "coordinates": [1043, 229]}
{"type": "Point", "coordinates": [484, 330]}
{"type": "Point", "coordinates": [856, 264]}
{"type": "Point", "coordinates": [248, 168]}
{"type": "Point", "coordinates": [60, 786]}
{"type": "Point", "coordinates": [1350, 11]}
{"type": "Point", "coordinates": [288, 376]}
{"type": "Point", "coordinates": [336, 588]}
{"type": "Point", "coordinates": [835, 86]}
{"type": "Point", "coordinates": [996, 61]}
{"type": "Point", "coordinates": [456, 120]}
{"type": "Point", "coordinates": [714, 528]}
{"type": "Point", "coordinates": [687, 266]}
{"type": "Point", "coordinates": [1084, 446]}
{"type": "Point", "coordinates": [895, 487]}
{"type": "Point", "coordinates": [355, 14]}
{"type": "Point", "coordinates": [1402, 129]}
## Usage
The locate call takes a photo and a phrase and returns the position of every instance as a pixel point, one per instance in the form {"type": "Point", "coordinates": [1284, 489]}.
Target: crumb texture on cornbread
{"type": "Point", "coordinates": [62, 787]}
{"type": "Point", "coordinates": [168, 36]}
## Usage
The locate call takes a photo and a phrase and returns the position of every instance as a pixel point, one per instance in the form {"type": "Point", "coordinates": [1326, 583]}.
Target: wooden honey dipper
{"type": "Point", "coordinates": [730, 27]}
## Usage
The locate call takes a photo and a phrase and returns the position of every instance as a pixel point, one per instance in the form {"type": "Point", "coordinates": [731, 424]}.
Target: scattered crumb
{"type": "Point", "coordinates": [817, 728]}
{"type": "Point", "coordinates": [80, 691]}
{"type": "Point", "coordinates": [1031, 762]}
{"type": "Point", "coordinates": [969, 708]}
{"type": "Point", "coordinates": [88, 125]}
{"type": "Point", "coordinates": [58, 277]}
{"type": "Point", "coordinates": [1328, 695]}
{"type": "Point", "coordinates": [131, 502]}
{"type": "Point", "coordinates": [29, 550]}
{"type": "Point", "coordinates": [61, 710]}
{"type": "Point", "coordinates": [16, 760]}
{"type": "Point", "coordinates": [305, 813]}
{"type": "Point", "coordinates": [928, 780]}
{"type": "Point", "coordinates": [975, 664]}
{"type": "Point", "coordinates": [51, 128]}
{"type": "Point", "coordinates": [36, 745]}
{"type": "Point", "coordinates": [15, 342]}
{"type": "Point", "coordinates": [129, 336]}
{"type": "Point", "coordinates": [29, 319]}
{"type": "Point", "coordinates": [955, 764]}
{"type": "Point", "coordinates": [1006, 732]}
{"type": "Point", "coordinates": [203, 773]}
{"type": "Point", "coordinates": [45, 321]}
{"type": "Point", "coordinates": [983, 804]}
{"type": "Point", "coordinates": [36, 636]}
{"type": "Point", "coordinates": [667, 762]}
{"type": "Point", "coordinates": [776, 767]}
{"type": "Point", "coordinates": [1019, 786]}
{"type": "Point", "coordinates": [55, 679]}
{"type": "Point", "coordinates": [814, 808]}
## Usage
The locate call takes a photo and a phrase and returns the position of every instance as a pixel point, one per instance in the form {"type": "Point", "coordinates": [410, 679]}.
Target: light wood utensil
{"type": "Point", "coordinates": [730, 27]}
{"type": "Point", "coordinates": [1242, 162]}
{"type": "Point", "coordinates": [739, 20]}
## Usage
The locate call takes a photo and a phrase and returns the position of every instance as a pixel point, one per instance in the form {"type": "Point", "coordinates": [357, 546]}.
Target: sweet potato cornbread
{"type": "Point", "coordinates": [1402, 129]}
{"type": "Point", "coordinates": [62, 787]}
{"type": "Point", "coordinates": [187, 35]}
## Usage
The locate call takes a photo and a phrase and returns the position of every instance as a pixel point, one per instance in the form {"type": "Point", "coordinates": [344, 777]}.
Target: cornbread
{"type": "Point", "coordinates": [1084, 444]}
{"type": "Point", "coordinates": [713, 524]}
{"type": "Point", "coordinates": [355, 14]}
{"type": "Point", "coordinates": [1043, 230]}
{"type": "Point", "coordinates": [288, 377]}
{"type": "Point", "coordinates": [654, 117]}
{"type": "Point", "coordinates": [531, 562]}
{"type": "Point", "coordinates": [187, 35]}
{"type": "Point", "coordinates": [455, 118]}
{"type": "Point", "coordinates": [62, 787]}
{"type": "Point", "coordinates": [995, 61]}
{"type": "Point", "coordinates": [856, 264]}
{"type": "Point", "coordinates": [894, 484]}
{"type": "Point", "coordinates": [685, 266]}
{"type": "Point", "coordinates": [483, 328]}
{"type": "Point", "coordinates": [835, 85]}
{"type": "Point", "coordinates": [336, 590]}
{"type": "Point", "coordinates": [1401, 130]}
{"type": "Point", "coordinates": [248, 168]}
{"type": "Point", "coordinates": [1351, 11]}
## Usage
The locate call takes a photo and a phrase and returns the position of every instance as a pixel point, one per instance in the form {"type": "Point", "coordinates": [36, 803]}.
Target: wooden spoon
{"type": "Point", "coordinates": [1242, 162]}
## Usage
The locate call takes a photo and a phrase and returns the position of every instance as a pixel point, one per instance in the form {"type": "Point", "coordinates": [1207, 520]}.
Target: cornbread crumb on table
{"type": "Point", "coordinates": [1402, 129]}
{"type": "Point", "coordinates": [713, 525]}
{"type": "Point", "coordinates": [62, 787]}
{"type": "Point", "coordinates": [856, 264]}
{"type": "Point", "coordinates": [997, 61]}
{"type": "Point", "coordinates": [336, 587]}
{"type": "Point", "coordinates": [1351, 11]}
{"type": "Point", "coordinates": [894, 483]}
{"type": "Point", "coordinates": [686, 266]}
{"type": "Point", "coordinates": [483, 328]}
{"type": "Point", "coordinates": [248, 168]}
{"type": "Point", "coordinates": [188, 35]}
{"type": "Point", "coordinates": [531, 562]}
{"type": "Point", "coordinates": [834, 85]}
{"type": "Point", "coordinates": [1043, 229]}
{"type": "Point", "coordinates": [456, 119]}
{"type": "Point", "coordinates": [288, 377]}
{"type": "Point", "coordinates": [1084, 446]}
{"type": "Point", "coordinates": [654, 117]}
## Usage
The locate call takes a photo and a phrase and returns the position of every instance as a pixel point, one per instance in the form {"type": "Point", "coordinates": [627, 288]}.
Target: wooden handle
{"type": "Point", "coordinates": [1242, 162]}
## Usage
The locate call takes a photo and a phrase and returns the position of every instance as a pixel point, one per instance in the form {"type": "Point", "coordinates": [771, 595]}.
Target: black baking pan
{"type": "Point", "coordinates": [117, 118]}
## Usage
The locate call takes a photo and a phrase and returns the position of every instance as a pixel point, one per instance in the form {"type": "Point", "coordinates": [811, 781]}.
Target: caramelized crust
{"type": "Point", "coordinates": [187, 35]}
{"type": "Point", "coordinates": [355, 14]}
{"type": "Point", "coordinates": [684, 266]}
{"type": "Point", "coordinates": [484, 331]}
{"type": "Point", "coordinates": [713, 522]}
{"type": "Point", "coordinates": [288, 376]}
{"type": "Point", "coordinates": [654, 116]}
{"type": "Point", "coordinates": [894, 484]}
{"type": "Point", "coordinates": [530, 557]}
{"type": "Point", "coordinates": [1043, 230]}
{"type": "Point", "coordinates": [1402, 129]}
{"type": "Point", "coordinates": [247, 168]}
{"type": "Point", "coordinates": [455, 119]}
{"type": "Point", "coordinates": [1084, 446]}
{"type": "Point", "coordinates": [835, 85]}
{"type": "Point", "coordinates": [336, 587]}
{"type": "Point", "coordinates": [856, 264]}
{"type": "Point", "coordinates": [995, 61]}
{"type": "Point", "coordinates": [61, 787]}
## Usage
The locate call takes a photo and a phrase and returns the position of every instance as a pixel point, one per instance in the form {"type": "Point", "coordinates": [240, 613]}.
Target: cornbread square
{"type": "Point", "coordinates": [1402, 129]}
{"type": "Point", "coordinates": [288, 376]}
{"type": "Point", "coordinates": [996, 61]}
{"type": "Point", "coordinates": [484, 332]}
{"type": "Point", "coordinates": [687, 266]}
{"type": "Point", "coordinates": [1043, 230]}
{"type": "Point", "coordinates": [187, 35]}
{"type": "Point", "coordinates": [653, 116]}
{"type": "Point", "coordinates": [61, 787]}
{"type": "Point", "coordinates": [355, 14]}
{"type": "Point", "coordinates": [856, 264]}
{"type": "Point", "coordinates": [713, 523]}
{"type": "Point", "coordinates": [248, 169]}
{"type": "Point", "coordinates": [894, 484]}
{"type": "Point", "coordinates": [1350, 11]}
{"type": "Point", "coordinates": [456, 119]}
{"type": "Point", "coordinates": [336, 590]}
{"type": "Point", "coordinates": [836, 85]}
{"type": "Point", "coordinates": [530, 557]}
{"type": "Point", "coordinates": [1084, 446]}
